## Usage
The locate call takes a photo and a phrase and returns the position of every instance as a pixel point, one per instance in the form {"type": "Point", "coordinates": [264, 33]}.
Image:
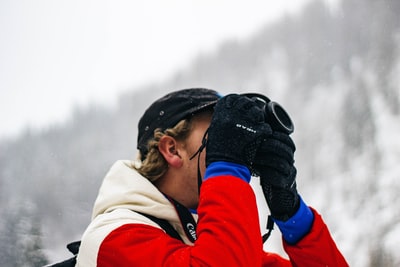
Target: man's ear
{"type": "Point", "coordinates": [168, 148]}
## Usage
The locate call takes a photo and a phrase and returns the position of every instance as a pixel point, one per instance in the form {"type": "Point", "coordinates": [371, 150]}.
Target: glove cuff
{"type": "Point", "coordinates": [294, 229]}
{"type": "Point", "coordinates": [223, 168]}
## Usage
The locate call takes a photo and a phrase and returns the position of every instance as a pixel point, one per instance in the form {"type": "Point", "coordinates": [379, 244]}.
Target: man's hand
{"type": "Point", "coordinates": [237, 128]}
{"type": "Point", "coordinates": [275, 164]}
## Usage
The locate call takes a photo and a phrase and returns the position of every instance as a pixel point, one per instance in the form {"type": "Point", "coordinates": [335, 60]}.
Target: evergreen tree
{"type": "Point", "coordinates": [21, 239]}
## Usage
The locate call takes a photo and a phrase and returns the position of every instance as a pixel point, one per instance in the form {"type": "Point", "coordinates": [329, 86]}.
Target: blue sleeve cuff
{"type": "Point", "coordinates": [222, 168]}
{"type": "Point", "coordinates": [294, 229]}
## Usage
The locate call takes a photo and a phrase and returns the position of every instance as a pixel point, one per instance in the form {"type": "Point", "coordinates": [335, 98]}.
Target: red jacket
{"type": "Point", "coordinates": [228, 234]}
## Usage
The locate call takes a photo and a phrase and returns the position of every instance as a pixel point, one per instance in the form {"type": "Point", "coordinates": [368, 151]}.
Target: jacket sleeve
{"type": "Point", "coordinates": [316, 248]}
{"type": "Point", "coordinates": [228, 232]}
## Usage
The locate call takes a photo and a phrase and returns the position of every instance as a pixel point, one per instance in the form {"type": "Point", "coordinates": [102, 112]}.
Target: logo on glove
{"type": "Point", "coordinates": [246, 128]}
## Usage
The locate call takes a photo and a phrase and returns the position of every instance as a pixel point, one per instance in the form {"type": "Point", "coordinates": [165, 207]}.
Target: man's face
{"type": "Point", "coordinates": [200, 124]}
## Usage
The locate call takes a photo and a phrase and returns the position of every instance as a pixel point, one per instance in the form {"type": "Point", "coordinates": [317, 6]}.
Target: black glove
{"type": "Point", "coordinates": [274, 163]}
{"type": "Point", "coordinates": [237, 128]}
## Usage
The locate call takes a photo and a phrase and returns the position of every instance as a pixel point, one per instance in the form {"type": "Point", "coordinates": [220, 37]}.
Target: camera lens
{"type": "Point", "coordinates": [280, 119]}
{"type": "Point", "coordinates": [275, 114]}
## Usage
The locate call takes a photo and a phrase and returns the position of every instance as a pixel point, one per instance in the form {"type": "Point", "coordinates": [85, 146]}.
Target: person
{"type": "Point", "coordinates": [197, 153]}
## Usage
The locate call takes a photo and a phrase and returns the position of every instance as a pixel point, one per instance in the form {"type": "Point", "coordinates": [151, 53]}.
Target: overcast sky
{"type": "Point", "coordinates": [55, 54]}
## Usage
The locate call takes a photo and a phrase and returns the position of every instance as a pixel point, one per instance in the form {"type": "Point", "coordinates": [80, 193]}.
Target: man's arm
{"type": "Point", "coordinates": [316, 248]}
{"type": "Point", "coordinates": [306, 237]}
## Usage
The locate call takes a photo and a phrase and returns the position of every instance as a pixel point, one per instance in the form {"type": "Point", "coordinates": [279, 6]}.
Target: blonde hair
{"type": "Point", "coordinates": [154, 165]}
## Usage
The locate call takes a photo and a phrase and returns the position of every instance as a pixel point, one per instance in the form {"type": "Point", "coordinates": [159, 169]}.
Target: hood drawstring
{"type": "Point", "coordinates": [198, 152]}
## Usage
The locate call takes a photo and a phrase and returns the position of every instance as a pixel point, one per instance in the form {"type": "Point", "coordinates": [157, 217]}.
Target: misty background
{"type": "Point", "coordinates": [335, 69]}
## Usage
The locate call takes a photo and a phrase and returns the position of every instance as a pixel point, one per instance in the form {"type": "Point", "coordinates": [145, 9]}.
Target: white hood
{"type": "Point", "coordinates": [123, 187]}
{"type": "Point", "coordinates": [124, 191]}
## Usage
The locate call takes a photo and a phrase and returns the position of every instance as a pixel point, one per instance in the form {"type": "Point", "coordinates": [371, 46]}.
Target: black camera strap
{"type": "Point", "coordinates": [165, 225]}
{"type": "Point", "coordinates": [189, 225]}
{"type": "Point", "coordinates": [198, 152]}
{"type": "Point", "coordinates": [270, 227]}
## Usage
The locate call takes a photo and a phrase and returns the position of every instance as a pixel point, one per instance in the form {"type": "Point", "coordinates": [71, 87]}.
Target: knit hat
{"type": "Point", "coordinates": [167, 111]}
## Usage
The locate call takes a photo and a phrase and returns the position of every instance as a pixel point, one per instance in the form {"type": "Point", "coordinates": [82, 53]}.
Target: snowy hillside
{"type": "Point", "coordinates": [336, 71]}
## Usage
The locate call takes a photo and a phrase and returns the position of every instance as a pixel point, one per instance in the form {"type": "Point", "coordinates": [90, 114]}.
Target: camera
{"type": "Point", "coordinates": [275, 114]}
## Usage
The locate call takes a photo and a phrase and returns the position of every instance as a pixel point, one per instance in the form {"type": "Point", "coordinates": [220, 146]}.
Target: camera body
{"type": "Point", "coordinates": [275, 114]}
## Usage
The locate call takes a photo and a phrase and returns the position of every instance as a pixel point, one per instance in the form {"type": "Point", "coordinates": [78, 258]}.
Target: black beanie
{"type": "Point", "coordinates": [167, 111]}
